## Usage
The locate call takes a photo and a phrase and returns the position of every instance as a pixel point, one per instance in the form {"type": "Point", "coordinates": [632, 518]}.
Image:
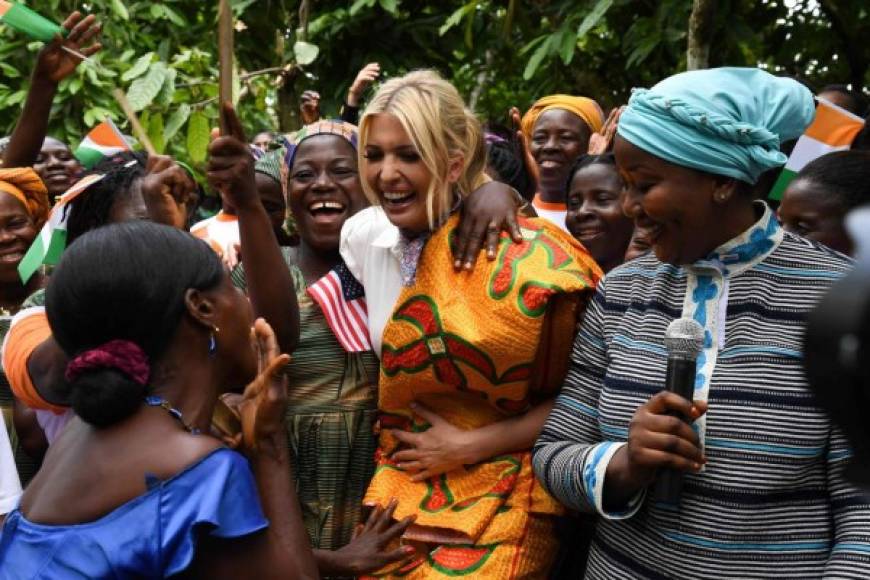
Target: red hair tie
{"type": "Point", "coordinates": [123, 355]}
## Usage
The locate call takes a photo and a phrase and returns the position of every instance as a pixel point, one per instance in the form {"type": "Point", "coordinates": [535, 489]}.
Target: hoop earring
{"type": "Point", "coordinates": [212, 342]}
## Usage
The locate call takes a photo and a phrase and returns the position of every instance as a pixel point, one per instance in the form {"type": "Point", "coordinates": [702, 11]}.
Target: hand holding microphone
{"type": "Point", "coordinates": [661, 441]}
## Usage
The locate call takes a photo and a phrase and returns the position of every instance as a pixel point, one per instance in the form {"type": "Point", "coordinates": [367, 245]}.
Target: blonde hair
{"type": "Point", "coordinates": [441, 128]}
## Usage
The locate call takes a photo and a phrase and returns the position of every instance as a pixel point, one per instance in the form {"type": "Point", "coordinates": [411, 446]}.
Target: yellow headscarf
{"type": "Point", "coordinates": [25, 185]}
{"type": "Point", "coordinates": [583, 107]}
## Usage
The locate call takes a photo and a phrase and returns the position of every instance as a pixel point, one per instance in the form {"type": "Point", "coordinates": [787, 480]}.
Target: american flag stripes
{"type": "Point", "coordinates": [342, 299]}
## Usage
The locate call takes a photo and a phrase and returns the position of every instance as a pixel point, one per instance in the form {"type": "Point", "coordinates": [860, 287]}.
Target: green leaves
{"type": "Point", "coordinates": [600, 9]}
{"type": "Point", "coordinates": [176, 122]}
{"type": "Point", "coordinates": [138, 68]}
{"type": "Point", "coordinates": [144, 89]}
{"type": "Point", "coordinates": [546, 42]}
{"type": "Point", "coordinates": [155, 132]}
{"type": "Point", "coordinates": [198, 133]}
{"type": "Point", "coordinates": [457, 17]}
{"type": "Point", "coordinates": [120, 9]}
{"type": "Point", "coordinates": [305, 52]}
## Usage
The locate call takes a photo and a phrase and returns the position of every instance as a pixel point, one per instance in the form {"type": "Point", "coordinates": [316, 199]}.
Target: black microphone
{"type": "Point", "coordinates": [684, 340]}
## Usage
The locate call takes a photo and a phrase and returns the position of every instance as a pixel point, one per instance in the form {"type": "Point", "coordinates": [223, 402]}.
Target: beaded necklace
{"type": "Point", "coordinates": [155, 401]}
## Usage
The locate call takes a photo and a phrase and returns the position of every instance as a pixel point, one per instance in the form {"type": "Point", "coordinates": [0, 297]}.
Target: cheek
{"type": "Point", "coordinates": [370, 173]}
{"type": "Point", "coordinates": [27, 233]}
{"type": "Point", "coordinates": [612, 212]}
{"type": "Point", "coordinates": [573, 149]}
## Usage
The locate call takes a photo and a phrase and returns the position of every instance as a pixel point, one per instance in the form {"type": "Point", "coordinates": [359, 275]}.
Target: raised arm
{"type": "Point", "coordinates": [282, 551]}
{"type": "Point", "coordinates": [52, 66]}
{"type": "Point", "coordinates": [270, 285]}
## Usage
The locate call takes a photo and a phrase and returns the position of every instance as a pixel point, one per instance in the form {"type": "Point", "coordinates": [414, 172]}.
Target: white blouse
{"type": "Point", "coordinates": [369, 247]}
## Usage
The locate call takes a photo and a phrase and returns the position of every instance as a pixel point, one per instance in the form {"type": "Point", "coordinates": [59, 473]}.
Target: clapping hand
{"type": "Point", "coordinates": [264, 401]}
{"type": "Point", "coordinates": [602, 141]}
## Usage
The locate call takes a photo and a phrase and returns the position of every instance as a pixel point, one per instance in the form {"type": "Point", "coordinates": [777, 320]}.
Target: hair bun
{"type": "Point", "coordinates": [123, 355]}
{"type": "Point", "coordinates": [108, 382]}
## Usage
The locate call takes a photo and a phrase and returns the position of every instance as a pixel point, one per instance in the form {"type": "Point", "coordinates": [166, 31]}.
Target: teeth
{"type": "Point", "coordinates": [396, 195]}
{"type": "Point", "coordinates": [325, 205]}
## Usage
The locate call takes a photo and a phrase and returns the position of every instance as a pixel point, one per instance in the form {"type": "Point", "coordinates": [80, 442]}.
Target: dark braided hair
{"type": "Point", "coordinates": [844, 175]}
{"type": "Point", "coordinates": [92, 208]}
{"type": "Point", "coordinates": [504, 157]}
{"type": "Point", "coordinates": [587, 160]}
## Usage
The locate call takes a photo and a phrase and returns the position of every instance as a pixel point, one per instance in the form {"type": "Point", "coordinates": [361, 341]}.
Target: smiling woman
{"type": "Point", "coordinates": [689, 150]}
{"type": "Point", "coordinates": [458, 383]}
{"type": "Point", "coordinates": [557, 129]}
{"type": "Point", "coordinates": [595, 214]}
{"type": "Point", "coordinates": [23, 210]}
{"type": "Point", "coordinates": [57, 166]}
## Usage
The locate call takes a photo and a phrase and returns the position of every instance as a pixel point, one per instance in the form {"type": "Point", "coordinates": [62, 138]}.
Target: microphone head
{"type": "Point", "coordinates": [684, 338]}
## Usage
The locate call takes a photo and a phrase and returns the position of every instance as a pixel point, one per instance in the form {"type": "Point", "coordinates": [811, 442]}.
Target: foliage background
{"type": "Point", "coordinates": [499, 53]}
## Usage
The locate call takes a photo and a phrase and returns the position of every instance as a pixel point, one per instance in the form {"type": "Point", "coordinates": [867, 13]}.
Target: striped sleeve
{"type": "Point", "coordinates": [850, 554]}
{"type": "Point", "coordinates": [571, 457]}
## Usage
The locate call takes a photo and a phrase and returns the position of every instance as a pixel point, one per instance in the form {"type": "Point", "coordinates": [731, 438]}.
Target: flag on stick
{"type": "Point", "coordinates": [833, 129]}
{"type": "Point", "coordinates": [103, 141]}
{"type": "Point", "coordinates": [25, 20]}
{"type": "Point", "coordinates": [51, 241]}
{"type": "Point", "coordinates": [342, 299]}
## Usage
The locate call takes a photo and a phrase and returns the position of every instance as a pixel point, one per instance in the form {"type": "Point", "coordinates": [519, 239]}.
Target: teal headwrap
{"type": "Point", "coordinates": [725, 121]}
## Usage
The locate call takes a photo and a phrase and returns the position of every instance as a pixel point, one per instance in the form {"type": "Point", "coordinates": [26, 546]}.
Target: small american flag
{"type": "Point", "coordinates": [342, 299]}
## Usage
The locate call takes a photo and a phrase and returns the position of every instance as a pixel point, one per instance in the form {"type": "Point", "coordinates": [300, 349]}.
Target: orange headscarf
{"type": "Point", "coordinates": [25, 185]}
{"type": "Point", "coordinates": [583, 107]}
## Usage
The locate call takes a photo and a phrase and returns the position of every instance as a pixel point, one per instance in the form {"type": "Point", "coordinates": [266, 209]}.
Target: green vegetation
{"type": "Point", "coordinates": [498, 52]}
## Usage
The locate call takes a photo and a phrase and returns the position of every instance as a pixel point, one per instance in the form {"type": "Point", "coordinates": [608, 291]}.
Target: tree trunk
{"type": "Point", "coordinates": [700, 34]}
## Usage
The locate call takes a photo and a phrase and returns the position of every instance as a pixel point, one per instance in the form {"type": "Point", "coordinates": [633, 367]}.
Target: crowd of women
{"type": "Point", "coordinates": [334, 385]}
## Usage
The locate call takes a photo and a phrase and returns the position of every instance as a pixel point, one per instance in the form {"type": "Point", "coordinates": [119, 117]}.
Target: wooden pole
{"type": "Point", "coordinates": [225, 52]}
{"type": "Point", "coordinates": [138, 131]}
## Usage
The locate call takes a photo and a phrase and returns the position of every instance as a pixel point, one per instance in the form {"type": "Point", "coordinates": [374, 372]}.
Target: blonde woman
{"type": "Point", "coordinates": [460, 399]}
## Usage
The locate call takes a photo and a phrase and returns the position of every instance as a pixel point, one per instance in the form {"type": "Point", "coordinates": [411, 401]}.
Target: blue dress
{"type": "Point", "coordinates": [151, 536]}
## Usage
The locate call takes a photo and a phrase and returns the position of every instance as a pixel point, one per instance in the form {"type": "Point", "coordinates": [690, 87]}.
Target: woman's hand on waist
{"type": "Point", "coordinates": [441, 448]}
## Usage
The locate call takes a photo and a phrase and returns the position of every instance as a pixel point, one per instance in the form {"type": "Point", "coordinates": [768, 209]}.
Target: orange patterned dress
{"type": "Point", "coordinates": [463, 344]}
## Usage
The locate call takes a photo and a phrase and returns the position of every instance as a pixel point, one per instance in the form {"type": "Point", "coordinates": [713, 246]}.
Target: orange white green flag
{"type": "Point", "coordinates": [103, 141]}
{"type": "Point", "coordinates": [25, 20]}
{"type": "Point", "coordinates": [833, 129]}
{"type": "Point", "coordinates": [51, 241]}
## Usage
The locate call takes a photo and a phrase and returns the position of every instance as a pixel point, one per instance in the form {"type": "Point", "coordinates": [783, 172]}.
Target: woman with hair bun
{"type": "Point", "coordinates": [460, 398]}
{"type": "Point", "coordinates": [135, 486]}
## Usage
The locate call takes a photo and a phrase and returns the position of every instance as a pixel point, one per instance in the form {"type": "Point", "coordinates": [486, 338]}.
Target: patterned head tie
{"type": "Point", "coordinates": [24, 184]}
{"type": "Point", "coordinates": [584, 107]}
{"type": "Point", "coordinates": [342, 129]}
{"type": "Point", "coordinates": [725, 121]}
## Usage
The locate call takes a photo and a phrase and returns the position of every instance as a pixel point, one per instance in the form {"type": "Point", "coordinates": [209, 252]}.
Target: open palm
{"type": "Point", "coordinates": [56, 64]}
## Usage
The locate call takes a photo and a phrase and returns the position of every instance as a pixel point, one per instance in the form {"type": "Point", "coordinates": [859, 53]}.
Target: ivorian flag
{"type": "Point", "coordinates": [833, 129]}
{"type": "Point", "coordinates": [103, 141]}
{"type": "Point", "coordinates": [51, 241]}
{"type": "Point", "coordinates": [25, 20]}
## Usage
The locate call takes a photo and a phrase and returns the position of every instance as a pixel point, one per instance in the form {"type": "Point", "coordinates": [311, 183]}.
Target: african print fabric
{"type": "Point", "coordinates": [465, 347]}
